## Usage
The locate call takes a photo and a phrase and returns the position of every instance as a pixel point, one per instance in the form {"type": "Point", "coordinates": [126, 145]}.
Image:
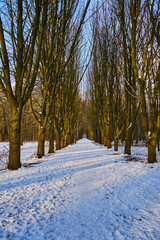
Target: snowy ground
{"type": "Point", "coordinates": [83, 192]}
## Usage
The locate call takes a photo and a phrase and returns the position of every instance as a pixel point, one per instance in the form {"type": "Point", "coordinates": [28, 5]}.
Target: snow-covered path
{"type": "Point", "coordinates": [83, 192]}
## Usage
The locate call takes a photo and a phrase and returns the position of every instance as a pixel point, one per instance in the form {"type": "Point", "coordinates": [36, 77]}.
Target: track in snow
{"type": "Point", "coordinates": [83, 192]}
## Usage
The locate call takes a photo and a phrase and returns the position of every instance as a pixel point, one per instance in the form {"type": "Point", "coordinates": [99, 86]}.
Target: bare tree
{"type": "Point", "coordinates": [21, 25]}
{"type": "Point", "coordinates": [60, 41]}
{"type": "Point", "coordinates": [146, 67]}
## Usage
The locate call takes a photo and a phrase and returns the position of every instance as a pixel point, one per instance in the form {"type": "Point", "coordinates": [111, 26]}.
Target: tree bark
{"type": "Point", "coordinates": [152, 151]}
{"type": "Point", "coordinates": [1, 136]}
{"type": "Point", "coordinates": [75, 137]}
{"type": "Point", "coordinates": [71, 138]}
{"type": "Point", "coordinates": [51, 138]}
{"type": "Point", "coordinates": [66, 140]}
{"type": "Point", "coordinates": [108, 138]}
{"type": "Point", "coordinates": [63, 142]}
{"type": "Point", "coordinates": [116, 144]}
{"type": "Point", "coordinates": [128, 141]}
{"type": "Point", "coordinates": [99, 137]}
{"type": "Point", "coordinates": [58, 140]}
{"type": "Point", "coordinates": [14, 144]}
{"type": "Point", "coordinates": [158, 144]}
{"type": "Point", "coordinates": [41, 141]}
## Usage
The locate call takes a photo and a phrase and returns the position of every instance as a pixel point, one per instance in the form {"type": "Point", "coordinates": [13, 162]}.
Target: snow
{"type": "Point", "coordinates": [150, 135]}
{"type": "Point", "coordinates": [28, 150]}
{"type": "Point", "coordinates": [130, 125]}
{"type": "Point", "coordinates": [83, 192]}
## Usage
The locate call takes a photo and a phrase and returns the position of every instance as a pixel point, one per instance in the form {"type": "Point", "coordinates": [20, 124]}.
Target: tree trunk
{"type": "Point", "coordinates": [58, 140]}
{"type": "Point", "coordinates": [63, 142]}
{"type": "Point", "coordinates": [76, 136]}
{"type": "Point", "coordinates": [152, 151]}
{"type": "Point", "coordinates": [128, 141]}
{"type": "Point", "coordinates": [66, 140]}
{"type": "Point", "coordinates": [14, 143]}
{"type": "Point", "coordinates": [1, 136]}
{"type": "Point", "coordinates": [108, 138]}
{"type": "Point", "coordinates": [21, 141]}
{"type": "Point", "coordinates": [99, 138]}
{"type": "Point", "coordinates": [116, 144]}
{"type": "Point", "coordinates": [51, 138]}
{"type": "Point", "coordinates": [71, 139]}
{"type": "Point", "coordinates": [127, 149]}
{"type": "Point", "coordinates": [96, 136]}
{"type": "Point", "coordinates": [41, 141]}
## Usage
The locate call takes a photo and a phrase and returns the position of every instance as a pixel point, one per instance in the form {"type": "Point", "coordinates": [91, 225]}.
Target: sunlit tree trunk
{"type": "Point", "coordinates": [152, 150]}
{"type": "Point", "coordinates": [51, 137]}
{"type": "Point", "coordinates": [41, 142]}
{"type": "Point", "coordinates": [14, 141]}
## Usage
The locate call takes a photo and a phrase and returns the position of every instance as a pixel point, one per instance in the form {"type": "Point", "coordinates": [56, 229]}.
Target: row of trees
{"type": "Point", "coordinates": [124, 76]}
{"type": "Point", "coordinates": [39, 57]}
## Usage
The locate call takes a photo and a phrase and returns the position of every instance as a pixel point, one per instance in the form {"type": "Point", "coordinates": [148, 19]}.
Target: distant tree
{"type": "Point", "coordinates": [60, 41]}
{"type": "Point", "coordinates": [68, 103]}
{"type": "Point", "coordinates": [105, 80]}
{"type": "Point", "coordinates": [129, 82]}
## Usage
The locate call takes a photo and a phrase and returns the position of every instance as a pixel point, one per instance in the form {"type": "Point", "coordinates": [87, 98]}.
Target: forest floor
{"type": "Point", "coordinates": [83, 192]}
